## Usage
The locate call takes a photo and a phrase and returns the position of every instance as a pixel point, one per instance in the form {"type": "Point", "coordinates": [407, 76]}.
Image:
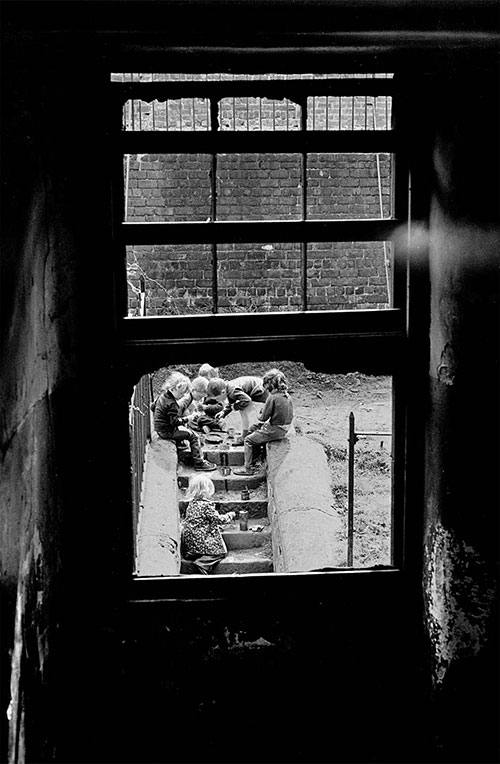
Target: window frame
{"type": "Point", "coordinates": [379, 337]}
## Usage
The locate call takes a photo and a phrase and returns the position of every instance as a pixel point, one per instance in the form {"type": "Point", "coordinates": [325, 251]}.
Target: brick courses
{"type": "Point", "coordinates": [261, 276]}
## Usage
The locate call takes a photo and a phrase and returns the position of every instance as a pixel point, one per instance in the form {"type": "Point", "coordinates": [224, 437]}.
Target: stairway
{"type": "Point", "coordinates": [249, 551]}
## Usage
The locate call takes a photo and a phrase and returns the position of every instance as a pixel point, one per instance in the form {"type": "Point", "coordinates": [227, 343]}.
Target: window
{"type": "Point", "coordinates": [257, 220]}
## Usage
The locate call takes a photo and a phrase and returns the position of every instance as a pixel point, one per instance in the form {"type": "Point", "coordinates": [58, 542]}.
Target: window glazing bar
{"type": "Point", "coordinates": [233, 232]}
{"type": "Point", "coordinates": [277, 89]}
{"type": "Point", "coordinates": [265, 142]}
{"type": "Point", "coordinates": [237, 326]}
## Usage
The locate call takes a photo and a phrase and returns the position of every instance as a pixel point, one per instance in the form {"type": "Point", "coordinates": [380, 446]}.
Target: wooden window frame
{"type": "Point", "coordinates": [373, 341]}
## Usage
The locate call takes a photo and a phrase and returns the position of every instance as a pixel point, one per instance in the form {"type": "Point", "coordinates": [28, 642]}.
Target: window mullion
{"type": "Point", "coordinates": [303, 244]}
{"type": "Point", "coordinates": [239, 231]}
{"type": "Point", "coordinates": [214, 126]}
{"type": "Point", "coordinates": [118, 209]}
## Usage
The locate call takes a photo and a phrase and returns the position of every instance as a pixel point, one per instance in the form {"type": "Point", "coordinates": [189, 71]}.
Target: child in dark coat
{"type": "Point", "coordinates": [170, 423]}
{"type": "Point", "coordinates": [275, 418]}
{"type": "Point", "coordinates": [239, 394]}
{"type": "Point", "coordinates": [205, 418]}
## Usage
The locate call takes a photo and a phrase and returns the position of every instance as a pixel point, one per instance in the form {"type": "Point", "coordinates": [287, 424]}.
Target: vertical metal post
{"type": "Point", "coordinates": [214, 126]}
{"type": "Point", "coordinates": [303, 245]}
{"type": "Point", "coordinates": [350, 491]}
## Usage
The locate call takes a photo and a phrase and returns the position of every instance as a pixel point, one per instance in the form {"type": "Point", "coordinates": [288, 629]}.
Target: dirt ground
{"type": "Point", "coordinates": [322, 404]}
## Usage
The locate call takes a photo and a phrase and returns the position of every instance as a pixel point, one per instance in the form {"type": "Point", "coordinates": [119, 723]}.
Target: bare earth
{"type": "Point", "coordinates": [322, 404]}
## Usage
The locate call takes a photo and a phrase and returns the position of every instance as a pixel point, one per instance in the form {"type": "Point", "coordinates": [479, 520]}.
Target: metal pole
{"type": "Point", "coordinates": [350, 491]}
{"type": "Point", "coordinates": [303, 244]}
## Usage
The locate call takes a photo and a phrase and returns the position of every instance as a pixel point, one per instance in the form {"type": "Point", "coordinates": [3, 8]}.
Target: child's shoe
{"type": "Point", "coordinates": [204, 466]}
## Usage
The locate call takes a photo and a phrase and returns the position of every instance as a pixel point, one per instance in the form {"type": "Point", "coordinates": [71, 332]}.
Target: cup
{"type": "Point", "coordinates": [243, 518]}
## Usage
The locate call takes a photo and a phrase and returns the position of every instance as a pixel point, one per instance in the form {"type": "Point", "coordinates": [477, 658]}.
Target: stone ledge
{"type": "Point", "coordinates": [158, 534]}
{"type": "Point", "coordinates": [303, 519]}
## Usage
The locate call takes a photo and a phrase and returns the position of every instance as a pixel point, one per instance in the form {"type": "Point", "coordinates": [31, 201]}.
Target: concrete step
{"type": "Point", "coordinates": [255, 508]}
{"type": "Point", "coordinates": [258, 533]}
{"type": "Point", "coordinates": [250, 539]}
{"type": "Point", "coordinates": [257, 560]}
{"type": "Point", "coordinates": [237, 561]}
{"type": "Point", "coordinates": [222, 482]}
{"type": "Point", "coordinates": [234, 456]}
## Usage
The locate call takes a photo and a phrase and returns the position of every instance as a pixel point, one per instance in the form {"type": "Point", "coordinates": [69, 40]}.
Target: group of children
{"type": "Point", "coordinates": [185, 406]}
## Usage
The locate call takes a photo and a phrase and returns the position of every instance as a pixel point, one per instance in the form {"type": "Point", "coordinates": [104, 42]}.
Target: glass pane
{"type": "Point", "coordinates": [259, 277]}
{"type": "Point", "coordinates": [349, 113]}
{"type": "Point", "coordinates": [349, 186]}
{"type": "Point", "coordinates": [258, 187]}
{"type": "Point", "coordinates": [169, 279]}
{"type": "Point", "coordinates": [166, 187]}
{"type": "Point", "coordinates": [174, 114]}
{"type": "Point", "coordinates": [305, 475]}
{"type": "Point", "coordinates": [349, 275]}
{"type": "Point", "coordinates": [225, 76]}
{"type": "Point", "coordinates": [246, 113]}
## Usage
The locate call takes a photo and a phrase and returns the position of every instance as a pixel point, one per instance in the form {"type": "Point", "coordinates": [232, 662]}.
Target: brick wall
{"type": "Point", "coordinates": [259, 276]}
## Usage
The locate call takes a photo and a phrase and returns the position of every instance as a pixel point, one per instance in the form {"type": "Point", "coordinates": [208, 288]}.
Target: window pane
{"type": "Point", "coordinates": [246, 113]}
{"type": "Point", "coordinates": [349, 113]}
{"type": "Point", "coordinates": [174, 114]}
{"type": "Point", "coordinates": [225, 76]}
{"type": "Point", "coordinates": [175, 279]}
{"type": "Point", "coordinates": [349, 275]}
{"type": "Point", "coordinates": [166, 187]}
{"type": "Point", "coordinates": [349, 186]}
{"type": "Point", "coordinates": [259, 277]}
{"type": "Point", "coordinates": [258, 187]}
{"type": "Point", "coordinates": [301, 497]}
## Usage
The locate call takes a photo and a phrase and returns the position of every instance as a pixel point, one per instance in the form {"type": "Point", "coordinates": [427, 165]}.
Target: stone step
{"type": "Point", "coordinates": [255, 507]}
{"type": "Point", "coordinates": [237, 561]}
{"type": "Point", "coordinates": [222, 482]}
{"type": "Point", "coordinates": [257, 560]}
{"type": "Point", "coordinates": [234, 456]}
{"type": "Point", "coordinates": [250, 539]}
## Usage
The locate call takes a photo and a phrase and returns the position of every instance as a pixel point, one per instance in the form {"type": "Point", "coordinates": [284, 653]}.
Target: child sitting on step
{"type": "Point", "coordinates": [190, 401]}
{"type": "Point", "coordinates": [205, 417]}
{"type": "Point", "coordinates": [242, 394]}
{"type": "Point", "coordinates": [274, 419]}
{"type": "Point", "coordinates": [169, 422]}
{"type": "Point", "coordinates": [202, 542]}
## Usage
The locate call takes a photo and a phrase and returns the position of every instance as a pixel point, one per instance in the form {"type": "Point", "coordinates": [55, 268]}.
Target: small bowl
{"type": "Point", "coordinates": [213, 437]}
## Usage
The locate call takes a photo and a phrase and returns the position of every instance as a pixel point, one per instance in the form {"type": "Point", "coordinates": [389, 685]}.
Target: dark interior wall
{"type": "Point", "coordinates": [38, 320]}
{"type": "Point", "coordinates": [300, 671]}
{"type": "Point", "coordinates": [461, 526]}
{"type": "Point", "coordinates": [58, 398]}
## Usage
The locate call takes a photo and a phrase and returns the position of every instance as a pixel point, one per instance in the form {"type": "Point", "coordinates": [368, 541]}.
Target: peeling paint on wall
{"type": "Point", "coordinates": [446, 368]}
{"type": "Point", "coordinates": [459, 596]}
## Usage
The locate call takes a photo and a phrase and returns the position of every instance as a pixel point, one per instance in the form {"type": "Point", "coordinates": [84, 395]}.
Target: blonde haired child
{"type": "Point", "coordinates": [191, 400]}
{"type": "Point", "coordinates": [275, 418]}
{"type": "Point", "coordinates": [210, 372]}
{"type": "Point", "coordinates": [170, 423]}
{"type": "Point", "coordinates": [202, 540]}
